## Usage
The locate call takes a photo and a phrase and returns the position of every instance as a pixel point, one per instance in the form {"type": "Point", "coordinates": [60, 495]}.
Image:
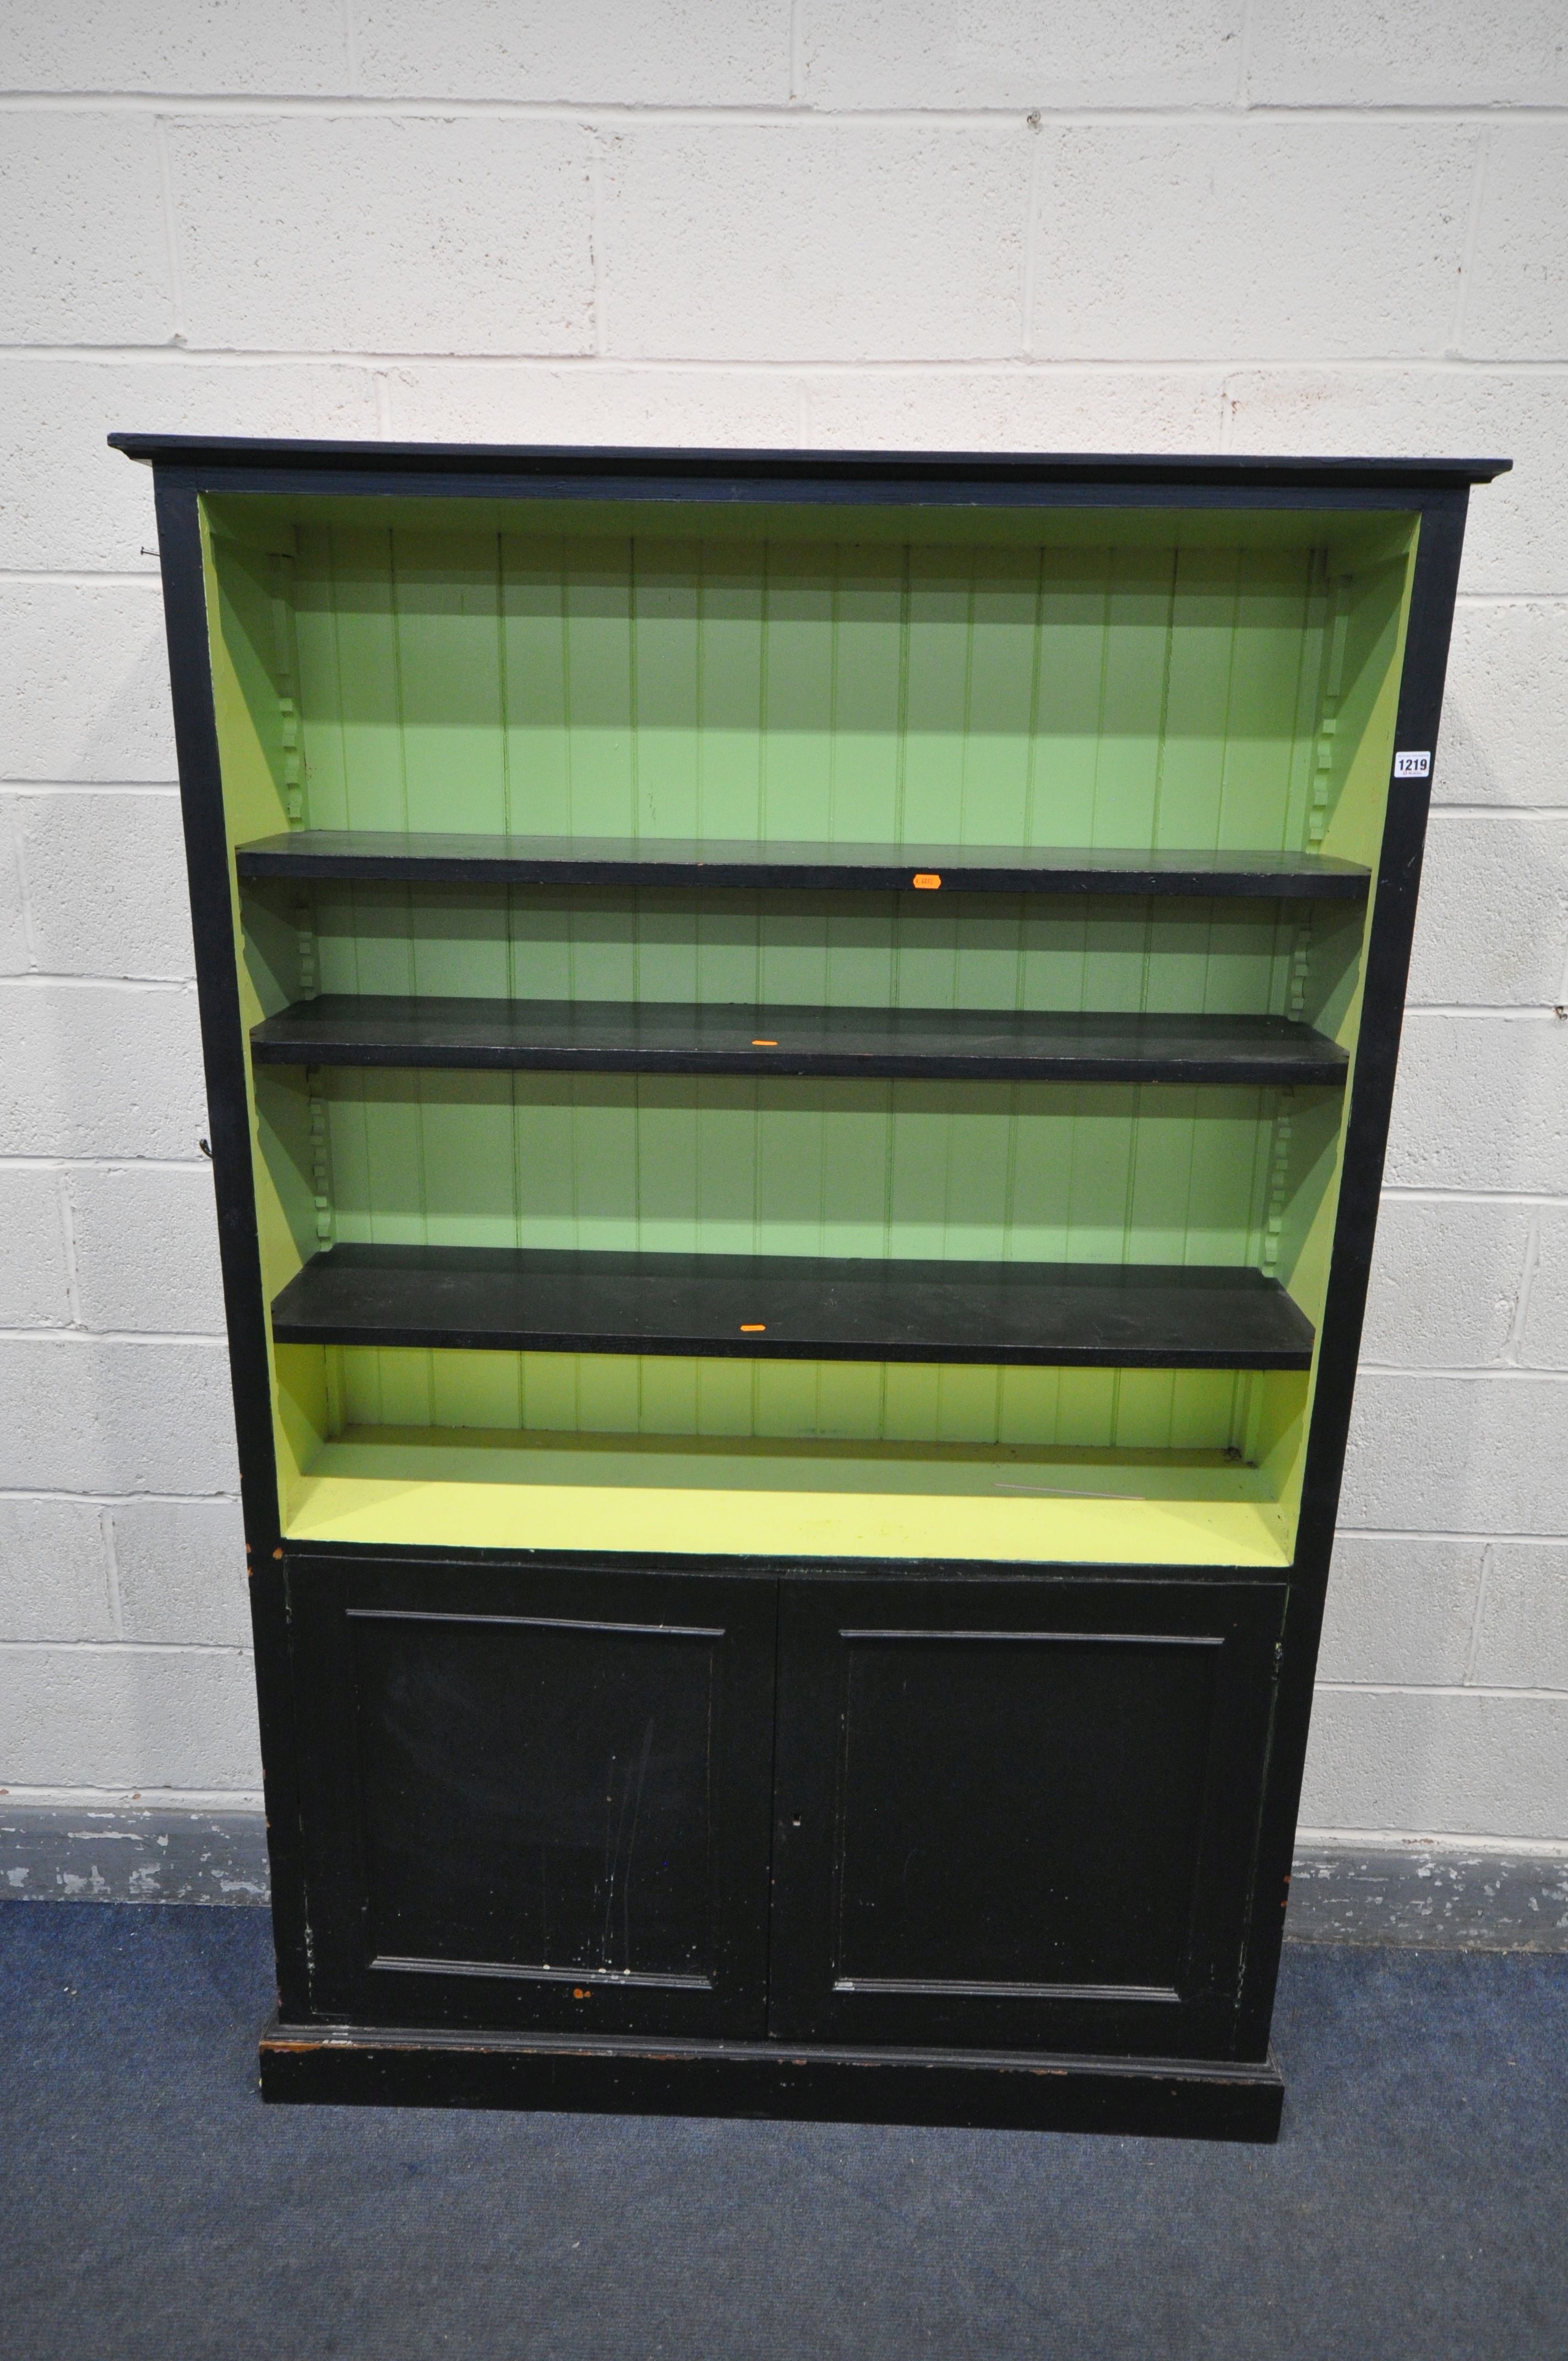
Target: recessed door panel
{"type": "Point", "coordinates": [544, 1796]}
{"type": "Point", "coordinates": [998, 1825]}
{"type": "Point", "coordinates": [574, 1761]}
{"type": "Point", "coordinates": [1018, 1813]}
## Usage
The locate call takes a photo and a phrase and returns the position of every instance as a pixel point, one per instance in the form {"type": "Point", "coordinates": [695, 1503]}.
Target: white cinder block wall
{"type": "Point", "coordinates": [1169, 224]}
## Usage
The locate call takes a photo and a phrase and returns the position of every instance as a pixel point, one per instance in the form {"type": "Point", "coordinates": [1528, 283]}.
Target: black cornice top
{"type": "Point", "coordinates": [737, 474]}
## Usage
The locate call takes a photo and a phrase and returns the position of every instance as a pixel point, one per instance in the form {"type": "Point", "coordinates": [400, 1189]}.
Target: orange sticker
{"type": "Point", "coordinates": [753, 1327]}
{"type": "Point", "coordinates": [927, 878]}
{"type": "Point", "coordinates": [764, 1045]}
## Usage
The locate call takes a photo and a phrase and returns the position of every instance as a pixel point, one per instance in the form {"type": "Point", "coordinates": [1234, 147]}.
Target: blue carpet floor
{"type": "Point", "coordinates": [150, 2206]}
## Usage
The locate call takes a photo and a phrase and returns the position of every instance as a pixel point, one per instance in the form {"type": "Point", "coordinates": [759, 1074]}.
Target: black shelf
{"type": "Point", "coordinates": [373, 855]}
{"type": "Point", "coordinates": [672, 1038]}
{"type": "Point", "coordinates": [1083, 1315]}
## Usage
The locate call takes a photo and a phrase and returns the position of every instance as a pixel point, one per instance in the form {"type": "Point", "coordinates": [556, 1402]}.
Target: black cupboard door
{"type": "Point", "coordinates": [1019, 1814]}
{"type": "Point", "coordinates": [536, 1798]}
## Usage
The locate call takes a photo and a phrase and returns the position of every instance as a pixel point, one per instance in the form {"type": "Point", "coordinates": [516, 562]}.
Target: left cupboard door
{"type": "Point", "coordinates": [535, 1797]}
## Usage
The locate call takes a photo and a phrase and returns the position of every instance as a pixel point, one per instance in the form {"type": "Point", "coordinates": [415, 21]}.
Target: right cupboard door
{"type": "Point", "coordinates": [1018, 1813]}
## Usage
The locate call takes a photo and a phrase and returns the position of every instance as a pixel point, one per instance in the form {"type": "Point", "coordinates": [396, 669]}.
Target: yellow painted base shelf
{"type": "Point", "coordinates": [450, 1488]}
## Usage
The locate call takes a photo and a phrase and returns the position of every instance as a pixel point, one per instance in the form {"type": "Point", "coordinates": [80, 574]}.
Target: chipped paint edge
{"type": "Point", "coordinates": [65, 1853]}
{"type": "Point", "coordinates": [1424, 1896]}
{"type": "Point", "coordinates": [1412, 1892]}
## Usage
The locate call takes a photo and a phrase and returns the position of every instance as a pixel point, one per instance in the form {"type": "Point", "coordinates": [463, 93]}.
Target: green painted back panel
{"type": "Point", "coordinates": [839, 691]}
{"type": "Point", "coordinates": [830, 949]}
{"type": "Point", "coordinates": [730, 1164]}
{"type": "Point", "coordinates": [905, 1402]}
{"type": "Point", "coordinates": [588, 682]}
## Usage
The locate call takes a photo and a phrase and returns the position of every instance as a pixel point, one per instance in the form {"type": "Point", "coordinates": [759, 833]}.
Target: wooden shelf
{"type": "Point", "coordinates": [440, 860]}
{"type": "Point", "coordinates": [671, 1038]}
{"type": "Point", "coordinates": [1083, 1315]}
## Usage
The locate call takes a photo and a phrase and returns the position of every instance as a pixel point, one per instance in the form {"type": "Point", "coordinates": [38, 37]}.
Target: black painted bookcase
{"type": "Point", "coordinates": [799, 1049]}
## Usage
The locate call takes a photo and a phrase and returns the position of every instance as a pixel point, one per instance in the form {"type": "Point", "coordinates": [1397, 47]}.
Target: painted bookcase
{"type": "Point", "coordinates": [799, 1050]}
